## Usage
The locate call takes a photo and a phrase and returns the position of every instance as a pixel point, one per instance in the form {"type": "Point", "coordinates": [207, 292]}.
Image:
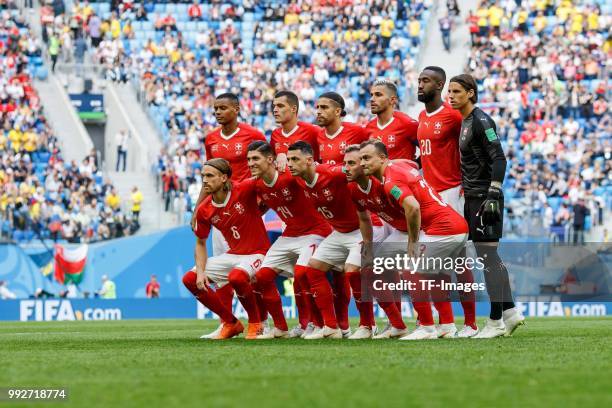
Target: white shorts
{"type": "Point", "coordinates": [219, 244]}
{"type": "Point", "coordinates": [455, 198]}
{"type": "Point", "coordinates": [289, 251]}
{"type": "Point", "coordinates": [431, 247]}
{"type": "Point", "coordinates": [340, 248]}
{"type": "Point", "coordinates": [219, 267]}
{"type": "Point", "coordinates": [380, 233]}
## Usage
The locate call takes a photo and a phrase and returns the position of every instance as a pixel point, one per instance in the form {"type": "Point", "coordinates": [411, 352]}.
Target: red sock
{"type": "Point", "coordinates": [342, 298]}
{"type": "Point", "coordinates": [441, 299]}
{"type": "Point", "coordinates": [301, 295]}
{"type": "Point", "coordinates": [323, 296]}
{"type": "Point", "coordinates": [394, 314]}
{"type": "Point", "coordinates": [301, 275]}
{"type": "Point", "coordinates": [366, 309]}
{"type": "Point", "coordinates": [226, 296]}
{"type": "Point", "coordinates": [420, 299]}
{"type": "Point", "coordinates": [266, 285]}
{"type": "Point", "coordinates": [208, 298]}
{"type": "Point", "coordinates": [241, 283]}
{"type": "Point", "coordinates": [468, 299]}
{"type": "Point", "coordinates": [424, 312]}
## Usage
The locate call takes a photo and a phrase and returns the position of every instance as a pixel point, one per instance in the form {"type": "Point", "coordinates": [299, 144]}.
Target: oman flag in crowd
{"type": "Point", "coordinates": [70, 263]}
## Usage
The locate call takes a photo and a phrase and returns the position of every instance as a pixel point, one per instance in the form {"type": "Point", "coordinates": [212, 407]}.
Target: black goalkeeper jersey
{"type": "Point", "coordinates": [482, 156]}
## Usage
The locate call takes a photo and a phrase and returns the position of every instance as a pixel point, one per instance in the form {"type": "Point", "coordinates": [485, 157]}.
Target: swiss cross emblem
{"type": "Point", "coordinates": [238, 146]}
{"type": "Point", "coordinates": [438, 125]}
{"type": "Point", "coordinates": [286, 191]}
{"type": "Point", "coordinates": [378, 200]}
{"type": "Point", "coordinates": [326, 192]}
{"type": "Point", "coordinates": [214, 148]}
{"type": "Point", "coordinates": [215, 219]}
{"type": "Point", "coordinates": [239, 208]}
{"type": "Point", "coordinates": [362, 203]}
{"type": "Point", "coordinates": [265, 196]}
{"type": "Point", "coordinates": [306, 194]}
{"type": "Point", "coordinates": [277, 146]}
{"type": "Point", "coordinates": [391, 138]}
{"type": "Point", "coordinates": [343, 145]}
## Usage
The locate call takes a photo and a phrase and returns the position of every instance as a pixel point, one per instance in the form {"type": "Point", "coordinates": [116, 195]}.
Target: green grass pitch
{"type": "Point", "coordinates": [162, 363]}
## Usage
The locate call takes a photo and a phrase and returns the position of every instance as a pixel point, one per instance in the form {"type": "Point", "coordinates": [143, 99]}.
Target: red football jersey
{"type": "Point", "coordinates": [399, 135]}
{"type": "Point", "coordinates": [238, 219]}
{"type": "Point", "coordinates": [233, 148]}
{"type": "Point", "coordinates": [286, 197]}
{"type": "Point", "coordinates": [330, 195]}
{"type": "Point", "coordinates": [331, 147]}
{"type": "Point", "coordinates": [280, 140]}
{"type": "Point", "coordinates": [438, 136]}
{"type": "Point", "coordinates": [377, 202]}
{"type": "Point", "coordinates": [402, 179]}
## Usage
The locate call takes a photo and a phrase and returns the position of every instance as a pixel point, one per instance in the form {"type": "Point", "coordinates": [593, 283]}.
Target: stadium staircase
{"type": "Point", "coordinates": [433, 52]}
{"type": "Point", "coordinates": [123, 112]}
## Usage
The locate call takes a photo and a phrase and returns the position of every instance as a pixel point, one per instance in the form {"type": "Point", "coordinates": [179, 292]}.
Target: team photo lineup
{"type": "Point", "coordinates": [305, 203]}
{"type": "Point", "coordinates": [339, 188]}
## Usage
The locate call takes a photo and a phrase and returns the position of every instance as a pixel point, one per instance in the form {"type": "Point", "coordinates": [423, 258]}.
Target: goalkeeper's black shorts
{"type": "Point", "coordinates": [478, 231]}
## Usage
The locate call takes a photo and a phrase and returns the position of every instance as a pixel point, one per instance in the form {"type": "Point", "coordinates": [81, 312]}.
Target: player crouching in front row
{"type": "Point", "coordinates": [232, 209]}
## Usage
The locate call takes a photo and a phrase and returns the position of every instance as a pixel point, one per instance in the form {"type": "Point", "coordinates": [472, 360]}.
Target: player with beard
{"type": "Point", "coordinates": [483, 166]}
{"type": "Point", "coordinates": [326, 187]}
{"type": "Point", "coordinates": [434, 231]}
{"type": "Point", "coordinates": [395, 129]}
{"type": "Point", "coordinates": [290, 253]}
{"type": "Point", "coordinates": [369, 194]}
{"type": "Point", "coordinates": [438, 135]}
{"type": "Point", "coordinates": [233, 209]}
{"type": "Point", "coordinates": [336, 137]}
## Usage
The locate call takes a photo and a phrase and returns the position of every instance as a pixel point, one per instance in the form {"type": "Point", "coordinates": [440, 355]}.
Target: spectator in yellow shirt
{"type": "Point", "coordinates": [495, 15]}
{"type": "Point", "coordinates": [115, 26]}
{"type": "Point", "coordinates": [483, 21]}
{"type": "Point", "coordinates": [113, 200]}
{"type": "Point", "coordinates": [540, 22]}
{"type": "Point", "coordinates": [30, 141]}
{"type": "Point", "coordinates": [577, 23]}
{"type": "Point", "coordinates": [386, 31]}
{"type": "Point", "coordinates": [593, 20]}
{"type": "Point", "coordinates": [414, 31]}
{"type": "Point", "coordinates": [15, 136]}
{"type": "Point", "coordinates": [136, 203]}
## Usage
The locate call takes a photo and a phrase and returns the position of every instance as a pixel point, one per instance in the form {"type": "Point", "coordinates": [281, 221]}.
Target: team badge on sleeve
{"type": "Point", "coordinates": [396, 192]}
{"type": "Point", "coordinates": [491, 135]}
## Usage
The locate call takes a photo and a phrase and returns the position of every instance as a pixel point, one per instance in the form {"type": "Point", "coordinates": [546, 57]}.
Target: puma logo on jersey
{"type": "Point", "coordinates": [215, 219]}
{"type": "Point", "coordinates": [226, 213]}
{"type": "Point", "coordinates": [225, 145]}
{"type": "Point", "coordinates": [481, 230]}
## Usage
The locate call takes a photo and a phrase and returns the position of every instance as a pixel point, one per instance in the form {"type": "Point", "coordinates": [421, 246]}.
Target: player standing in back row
{"type": "Point", "coordinates": [438, 134]}
{"type": "Point", "coordinates": [395, 129]}
{"type": "Point", "coordinates": [336, 136]}
{"type": "Point", "coordinates": [483, 166]}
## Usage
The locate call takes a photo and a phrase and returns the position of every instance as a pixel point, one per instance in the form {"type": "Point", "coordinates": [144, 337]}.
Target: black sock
{"type": "Point", "coordinates": [496, 278]}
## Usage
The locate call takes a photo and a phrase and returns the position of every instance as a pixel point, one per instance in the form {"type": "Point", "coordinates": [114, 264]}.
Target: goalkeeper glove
{"type": "Point", "coordinates": [490, 210]}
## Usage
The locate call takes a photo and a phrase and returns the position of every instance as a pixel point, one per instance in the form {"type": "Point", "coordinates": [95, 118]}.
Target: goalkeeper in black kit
{"type": "Point", "coordinates": [483, 166]}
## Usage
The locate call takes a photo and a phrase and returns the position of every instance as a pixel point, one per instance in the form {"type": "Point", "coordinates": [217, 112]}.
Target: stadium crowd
{"type": "Point", "coordinates": [181, 54]}
{"type": "Point", "coordinates": [543, 69]}
{"type": "Point", "coordinates": [41, 194]}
